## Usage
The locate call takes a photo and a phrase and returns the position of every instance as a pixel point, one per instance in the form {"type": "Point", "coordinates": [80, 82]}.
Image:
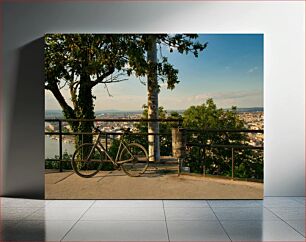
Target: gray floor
{"type": "Point", "coordinates": [273, 219]}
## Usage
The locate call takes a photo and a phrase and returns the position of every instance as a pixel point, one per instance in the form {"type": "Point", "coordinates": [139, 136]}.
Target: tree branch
{"type": "Point", "coordinates": [102, 77]}
{"type": "Point", "coordinates": [73, 92]}
{"type": "Point", "coordinates": [105, 80]}
{"type": "Point", "coordinates": [106, 87]}
{"type": "Point", "coordinates": [68, 111]}
{"type": "Point", "coordinates": [113, 81]}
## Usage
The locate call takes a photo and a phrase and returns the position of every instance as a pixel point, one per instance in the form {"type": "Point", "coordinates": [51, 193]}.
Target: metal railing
{"type": "Point", "coordinates": [233, 147]}
{"type": "Point", "coordinates": [61, 133]}
{"type": "Point", "coordinates": [177, 122]}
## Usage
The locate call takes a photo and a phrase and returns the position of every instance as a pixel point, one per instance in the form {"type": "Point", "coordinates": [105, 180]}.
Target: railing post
{"type": "Point", "coordinates": [233, 166]}
{"type": "Point", "coordinates": [179, 140]}
{"type": "Point", "coordinates": [203, 161]}
{"type": "Point", "coordinates": [60, 146]}
{"type": "Point", "coordinates": [106, 139]}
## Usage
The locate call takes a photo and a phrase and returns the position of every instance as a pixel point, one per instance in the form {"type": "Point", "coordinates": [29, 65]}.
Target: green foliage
{"type": "Point", "coordinates": [79, 61]}
{"type": "Point", "coordinates": [208, 116]}
{"type": "Point", "coordinates": [82, 61]}
{"type": "Point", "coordinates": [248, 163]}
{"type": "Point", "coordinates": [217, 161]}
{"type": "Point", "coordinates": [66, 164]}
{"type": "Point", "coordinates": [137, 46]}
{"type": "Point", "coordinates": [96, 56]}
{"type": "Point", "coordinates": [113, 149]}
{"type": "Point", "coordinates": [164, 128]}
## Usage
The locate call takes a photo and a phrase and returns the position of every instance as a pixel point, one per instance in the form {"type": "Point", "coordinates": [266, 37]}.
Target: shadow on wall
{"type": "Point", "coordinates": [24, 165]}
{"type": "Point", "coordinates": [31, 230]}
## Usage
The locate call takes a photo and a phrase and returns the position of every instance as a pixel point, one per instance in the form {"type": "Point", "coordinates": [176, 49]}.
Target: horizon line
{"type": "Point", "coordinates": [133, 110]}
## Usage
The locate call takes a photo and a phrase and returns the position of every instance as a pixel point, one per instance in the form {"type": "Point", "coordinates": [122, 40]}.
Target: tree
{"type": "Point", "coordinates": [152, 108]}
{"type": "Point", "coordinates": [248, 163]}
{"type": "Point", "coordinates": [82, 61]}
{"type": "Point", "coordinates": [164, 128]}
{"type": "Point", "coordinates": [208, 116]}
{"type": "Point", "coordinates": [183, 43]}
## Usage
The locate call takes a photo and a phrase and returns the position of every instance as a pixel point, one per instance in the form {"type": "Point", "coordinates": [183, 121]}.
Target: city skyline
{"type": "Point", "coordinates": [230, 71]}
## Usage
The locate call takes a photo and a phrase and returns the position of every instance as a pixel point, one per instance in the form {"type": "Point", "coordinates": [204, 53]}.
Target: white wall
{"type": "Point", "coordinates": [24, 24]}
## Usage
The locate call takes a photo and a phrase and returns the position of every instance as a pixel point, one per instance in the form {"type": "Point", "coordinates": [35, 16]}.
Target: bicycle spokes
{"type": "Point", "coordinates": [87, 160]}
{"type": "Point", "coordinates": [134, 160]}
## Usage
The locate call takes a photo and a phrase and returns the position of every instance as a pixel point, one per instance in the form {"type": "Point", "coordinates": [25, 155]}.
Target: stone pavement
{"type": "Point", "coordinates": [153, 185]}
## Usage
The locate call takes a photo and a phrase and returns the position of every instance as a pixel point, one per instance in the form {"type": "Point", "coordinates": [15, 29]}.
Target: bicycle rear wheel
{"type": "Point", "coordinates": [87, 160]}
{"type": "Point", "coordinates": [134, 159]}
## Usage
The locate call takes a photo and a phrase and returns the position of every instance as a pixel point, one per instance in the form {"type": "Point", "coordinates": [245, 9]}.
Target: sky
{"type": "Point", "coordinates": [229, 70]}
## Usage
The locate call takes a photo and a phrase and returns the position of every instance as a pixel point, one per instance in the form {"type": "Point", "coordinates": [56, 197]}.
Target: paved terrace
{"type": "Point", "coordinates": [154, 184]}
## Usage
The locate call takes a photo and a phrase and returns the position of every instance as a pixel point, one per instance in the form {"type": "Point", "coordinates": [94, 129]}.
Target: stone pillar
{"type": "Point", "coordinates": [179, 140]}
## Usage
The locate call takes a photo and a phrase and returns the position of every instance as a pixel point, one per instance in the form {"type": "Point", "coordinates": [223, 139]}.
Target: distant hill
{"type": "Point", "coordinates": [54, 114]}
{"type": "Point", "coordinates": [59, 114]}
{"type": "Point", "coordinates": [250, 110]}
{"type": "Point", "coordinates": [114, 111]}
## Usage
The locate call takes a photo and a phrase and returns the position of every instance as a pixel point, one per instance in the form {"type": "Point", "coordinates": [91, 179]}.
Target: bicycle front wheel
{"type": "Point", "coordinates": [134, 159]}
{"type": "Point", "coordinates": [87, 160]}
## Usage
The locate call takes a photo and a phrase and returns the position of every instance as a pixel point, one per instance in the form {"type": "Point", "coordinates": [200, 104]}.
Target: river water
{"type": "Point", "coordinates": [52, 147]}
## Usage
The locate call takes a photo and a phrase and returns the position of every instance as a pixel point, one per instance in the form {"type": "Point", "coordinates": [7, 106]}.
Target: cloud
{"type": "Point", "coordinates": [168, 99]}
{"type": "Point", "coordinates": [226, 95]}
{"type": "Point", "coordinates": [243, 98]}
{"type": "Point", "coordinates": [253, 69]}
{"type": "Point", "coordinates": [121, 102]}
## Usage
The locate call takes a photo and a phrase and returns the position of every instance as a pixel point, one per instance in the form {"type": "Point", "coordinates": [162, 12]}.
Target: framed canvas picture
{"type": "Point", "coordinates": [154, 116]}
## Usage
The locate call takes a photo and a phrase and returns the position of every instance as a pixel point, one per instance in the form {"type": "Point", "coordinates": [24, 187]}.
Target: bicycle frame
{"type": "Point", "coordinates": [122, 145]}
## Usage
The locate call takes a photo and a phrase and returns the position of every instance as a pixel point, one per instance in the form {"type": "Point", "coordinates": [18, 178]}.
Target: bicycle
{"type": "Point", "coordinates": [88, 158]}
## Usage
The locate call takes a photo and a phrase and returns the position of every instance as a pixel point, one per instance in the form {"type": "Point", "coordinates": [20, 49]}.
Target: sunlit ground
{"type": "Point", "coordinates": [154, 184]}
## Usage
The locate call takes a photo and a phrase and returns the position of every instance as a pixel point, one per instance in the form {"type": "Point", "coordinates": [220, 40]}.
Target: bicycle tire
{"type": "Point", "coordinates": [139, 159]}
{"type": "Point", "coordinates": [93, 163]}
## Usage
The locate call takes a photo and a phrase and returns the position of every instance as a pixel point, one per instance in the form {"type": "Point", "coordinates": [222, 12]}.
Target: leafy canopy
{"type": "Point", "coordinates": [69, 56]}
{"type": "Point", "coordinates": [207, 115]}
{"type": "Point", "coordinates": [82, 61]}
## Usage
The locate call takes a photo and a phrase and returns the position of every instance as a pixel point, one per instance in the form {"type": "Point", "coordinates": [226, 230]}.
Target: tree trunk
{"type": "Point", "coordinates": [85, 109]}
{"type": "Point", "coordinates": [153, 127]}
